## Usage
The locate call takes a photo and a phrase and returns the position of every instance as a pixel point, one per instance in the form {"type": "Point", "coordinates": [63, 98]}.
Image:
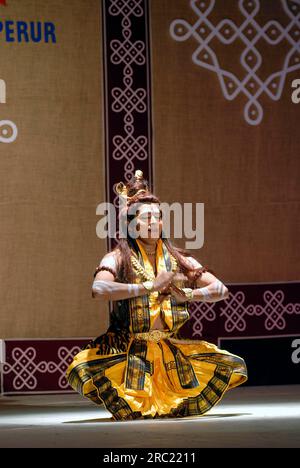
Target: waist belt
{"type": "Point", "coordinates": [152, 335]}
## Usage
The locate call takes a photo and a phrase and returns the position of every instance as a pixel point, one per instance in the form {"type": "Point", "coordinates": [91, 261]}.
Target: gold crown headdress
{"type": "Point", "coordinates": [121, 188]}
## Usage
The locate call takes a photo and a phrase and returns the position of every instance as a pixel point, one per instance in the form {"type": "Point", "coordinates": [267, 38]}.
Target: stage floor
{"type": "Point", "coordinates": [246, 417]}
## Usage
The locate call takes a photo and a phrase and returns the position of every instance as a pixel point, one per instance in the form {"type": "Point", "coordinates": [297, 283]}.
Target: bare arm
{"type": "Point", "coordinates": [106, 288]}
{"type": "Point", "coordinates": [209, 288]}
{"type": "Point", "coordinates": [113, 291]}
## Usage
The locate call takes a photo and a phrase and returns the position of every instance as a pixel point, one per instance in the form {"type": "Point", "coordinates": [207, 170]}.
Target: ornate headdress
{"type": "Point", "coordinates": [122, 190]}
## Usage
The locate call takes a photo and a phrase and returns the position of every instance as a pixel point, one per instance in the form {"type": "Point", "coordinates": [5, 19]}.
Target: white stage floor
{"type": "Point", "coordinates": [246, 417]}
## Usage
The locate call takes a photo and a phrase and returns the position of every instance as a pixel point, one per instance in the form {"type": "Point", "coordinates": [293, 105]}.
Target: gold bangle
{"type": "Point", "coordinates": [148, 285]}
{"type": "Point", "coordinates": [188, 293]}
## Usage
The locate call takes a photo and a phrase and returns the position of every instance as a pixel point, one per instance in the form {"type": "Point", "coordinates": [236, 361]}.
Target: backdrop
{"type": "Point", "coordinates": [197, 94]}
{"type": "Point", "coordinates": [246, 175]}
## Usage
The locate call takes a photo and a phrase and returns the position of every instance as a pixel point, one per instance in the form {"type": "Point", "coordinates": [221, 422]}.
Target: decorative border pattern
{"type": "Point", "coordinates": [37, 366]}
{"type": "Point", "coordinates": [127, 92]}
{"type": "Point", "coordinates": [256, 309]}
{"type": "Point", "coordinates": [250, 33]}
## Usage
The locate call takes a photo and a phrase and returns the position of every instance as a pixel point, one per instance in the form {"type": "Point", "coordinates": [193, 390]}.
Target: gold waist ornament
{"type": "Point", "coordinates": [153, 335]}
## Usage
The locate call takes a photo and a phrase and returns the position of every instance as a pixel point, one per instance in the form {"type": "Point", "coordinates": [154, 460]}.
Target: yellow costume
{"type": "Point", "coordinates": [138, 372]}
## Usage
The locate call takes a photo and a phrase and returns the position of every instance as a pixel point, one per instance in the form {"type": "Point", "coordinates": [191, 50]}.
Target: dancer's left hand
{"type": "Point", "coordinates": [168, 292]}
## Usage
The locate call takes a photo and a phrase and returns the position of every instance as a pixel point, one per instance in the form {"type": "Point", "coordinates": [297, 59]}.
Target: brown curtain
{"type": "Point", "coordinates": [52, 176]}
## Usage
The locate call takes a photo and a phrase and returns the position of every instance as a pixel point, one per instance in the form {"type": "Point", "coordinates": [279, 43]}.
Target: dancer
{"type": "Point", "coordinates": [141, 367]}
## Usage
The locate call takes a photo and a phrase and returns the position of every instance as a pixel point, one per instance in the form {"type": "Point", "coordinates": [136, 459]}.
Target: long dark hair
{"type": "Point", "coordinates": [138, 192]}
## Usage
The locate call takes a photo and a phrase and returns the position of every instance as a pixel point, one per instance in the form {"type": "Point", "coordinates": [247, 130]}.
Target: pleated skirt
{"type": "Point", "coordinates": [101, 377]}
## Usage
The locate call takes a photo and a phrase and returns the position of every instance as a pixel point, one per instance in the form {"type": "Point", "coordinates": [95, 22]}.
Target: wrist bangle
{"type": "Point", "coordinates": [188, 293]}
{"type": "Point", "coordinates": [148, 285]}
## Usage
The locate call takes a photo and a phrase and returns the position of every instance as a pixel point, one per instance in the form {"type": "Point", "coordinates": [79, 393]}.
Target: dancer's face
{"type": "Point", "coordinates": [149, 221]}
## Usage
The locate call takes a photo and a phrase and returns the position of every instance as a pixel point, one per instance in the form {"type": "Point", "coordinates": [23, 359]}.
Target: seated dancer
{"type": "Point", "coordinates": [141, 367]}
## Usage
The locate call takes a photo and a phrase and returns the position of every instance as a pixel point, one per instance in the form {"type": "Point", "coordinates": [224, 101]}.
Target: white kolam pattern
{"type": "Point", "coordinates": [26, 369]}
{"type": "Point", "coordinates": [250, 32]}
{"type": "Point", "coordinates": [235, 312]}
